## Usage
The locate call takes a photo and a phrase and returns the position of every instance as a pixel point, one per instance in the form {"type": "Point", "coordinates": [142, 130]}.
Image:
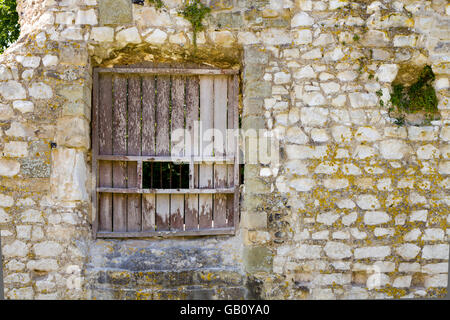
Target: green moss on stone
{"type": "Point", "coordinates": [195, 11]}
{"type": "Point", "coordinates": [420, 96]}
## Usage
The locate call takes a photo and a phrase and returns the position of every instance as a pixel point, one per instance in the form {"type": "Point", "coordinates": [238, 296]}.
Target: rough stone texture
{"type": "Point", "coordinates": [357, 207]}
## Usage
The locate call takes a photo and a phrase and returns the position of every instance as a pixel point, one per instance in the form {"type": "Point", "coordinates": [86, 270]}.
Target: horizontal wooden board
{"type": "Point", "coordinates": [166, 191]}
{"type": "Point", "coordinates": [167, 234]}
{"type": "Point", "coordinates": [169, 71]}
{"type": "Point", "coordinates": [167, 159]}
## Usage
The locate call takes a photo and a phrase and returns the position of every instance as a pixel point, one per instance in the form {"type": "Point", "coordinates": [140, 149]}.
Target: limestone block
{"type": "Point", "coordinates": [405, 41]}
{"type": "Point", "coordinates": [319, 135]}
{"type": "Point", "coordinates": [12, 90]}
{"type": "Point", "coordinates": [40, 90]}
{"type": "Point", "coordinates": [312, 54]}
{"type": "Point", "coordinates": [258, 259]}
{"type": "Point", "coordinates": [363, 100]}
{"type": "Point", "coordinates": [4, 216]}
{"type": "Point", "coordinates": [327, 218]}
{"type": "Point", "coordinates": [308, 252]}
{"type": "Point", "coordinates": [86, 17]}
{"type": "Point", "coordinates": [156, 37]}
{"type": "Point", "coordinates": [115, 12]}
{"type": "Point", "coordinates": [102, 34]}
{"type": "Point", "coordinates": [178, 38]}
{"type": "Point", "coordinates": [223, 38]}
{"type": "Point", "coordinates": [282, 78]}
{"type": "Point", "coordinates": [378, 252]}
{"type": "Point", "coordinates": [6, 113]}
{"type": "Point", "coordinates": [73, 132]}
{"type": "Point", "coordinates": [303, 36]}
{"type": "Point", "coordinates": [19, 130]}
{"type": "Point", "coordinates": [428, 152]}
{"type": "Point", "coordinates": [337, 250]}
{"type": "Point", "coordinates": [376, 217]}
{"type": "Point", "coordinates": [130, 35]}
{"type": "Point", "coordinates": [152, 17]}
{"type": "Point", "coordinates": [437, 251]}
{"type": "Point", "coordinates": [330, 87]}
{"type": "Point", "coordinates": [367, 202]}
{"type": "Point", "coordinates": [296, 135]}
{"type": "Point", "coordinates": [72, 33]}
{"type": "Point", "coordinates": [23, 106]}
{"type": "Point", "coordinates": [347, 75]}
{"type": "Point", "coordinates": [6, 201]}
{"type": "Point", "coordinates": [304, 73]}
{"type": "Point", "coordinates": [68, 177]}
{"type": "Point", "coordinates": [21, 293]}
{"type": "Point", "coordinates": [323, 40]}
{"type": "Point", "coordinates": [408, 251]}
{"type": "Point", "coordinates": [15, 249]}
{"type": "Point", "coordinates": [423, 133]}
{"type": "Point", "coordinates": [314, 99]}
{"type": "Point", "coordinates": [9, 168]}
{"type": "Point", "coordinates": [31, 216]}
{"type": "Point", "coordinates": [5, 73]}
{"type": "Point", "coordinates": [276, 36]}
{"type": "Point", "coordinates": [302, 19]}
{"type": "Point", "coordinates": [15, 149]}
{"type": "Point", "coordinates": [433, 234]}
{"type": "Point", "coordinates": [49, 60]}
{"type": "Point", "coordinates": [436, 281]}
{"type": "Point", "coordinates": [302, 184]}
{"type": "Point", "coordinates": [29, 62]}
{"type": "Point", "coordinates": [387, 72]}
{"type": "Point", "coordinates": [64, 17]}
{"type": "Point", "coordinates": [74, 93]}
{"type": "Point", "coordinates": [394, 149]}
{"type": "Point", "coordinates": [47, 249]}
{"type": "Point", "coordinates": [335, 184]}
{"type": "Point", "coordinates": [434, 268]}
{"type": "Point", "coordinates": [314, 116]}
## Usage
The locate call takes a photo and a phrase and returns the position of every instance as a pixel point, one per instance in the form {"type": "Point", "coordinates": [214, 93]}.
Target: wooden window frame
{"type": "Point", "coordinates": [191, 160]}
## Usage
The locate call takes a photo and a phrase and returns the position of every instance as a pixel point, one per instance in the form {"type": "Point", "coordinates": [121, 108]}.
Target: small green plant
{"type": "Point", "coordinates": [355, 37]}
{"type": "Point", "coordinates": [195, 11]}
{"type": "Point", "coordinates": [420, 96]}
{"type": "Point", "coordinates": [157, 3]}
{"type": "Point", "coordinates": [400, 121]}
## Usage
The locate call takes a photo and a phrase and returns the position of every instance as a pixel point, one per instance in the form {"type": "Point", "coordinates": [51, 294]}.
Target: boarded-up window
{"type": "Point", "coordinates": [160, 170]}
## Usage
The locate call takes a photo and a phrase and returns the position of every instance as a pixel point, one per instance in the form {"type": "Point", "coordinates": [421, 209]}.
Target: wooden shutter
{"type": "Point", "coordinates": [136, 110]}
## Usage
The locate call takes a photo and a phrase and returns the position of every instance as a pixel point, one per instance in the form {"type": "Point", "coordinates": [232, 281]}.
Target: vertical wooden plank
{"type": "Point", "coordinates": [148, 146]}
{"type": "Point", "coordinates": [236, 199]}
{"type": "Point", "coordinates": [148, 212]}
{"type": "Point", "coordinates": [148, 116]}
{"type": "Point", "coordinates": [119, 148]}
{"type": "Point", "coordinates": [177, 125]}
{"type": "Point", "coordinates": [105, 147]}
{"type": "Point", "coordinates": [134, 149]}
{"type": "Point", "coordinates": [192, 113]}
{"type": "Point", "coordinates": [206, 170]}
{"type": "Point", "coordinates": [95, 213]}
{"type": "Point", "coordinates": [220, 170]}
{"type": "Point", "coordinates": [162, 146]}
{"type": "Point", "coordinates": [233, 102]}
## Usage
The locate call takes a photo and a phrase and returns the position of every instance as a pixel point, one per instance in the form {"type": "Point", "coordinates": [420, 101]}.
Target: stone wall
{"type": "Point", "coordinates": [356, 208]}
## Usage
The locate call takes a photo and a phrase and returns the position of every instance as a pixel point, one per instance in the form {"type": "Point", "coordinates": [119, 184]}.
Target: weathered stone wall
{"type": "Point", "coordinates": [356, 208]}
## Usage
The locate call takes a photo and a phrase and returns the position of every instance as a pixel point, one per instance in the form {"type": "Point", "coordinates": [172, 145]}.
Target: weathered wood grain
{"type": "Point", "coordinates": [120, 148]}
{"type": "Point", "coordinates": [206, 170]}
{"type": "Point", "coordinates": [163, 146]}
{"type": "Point", "coordinates": [104, 134]}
